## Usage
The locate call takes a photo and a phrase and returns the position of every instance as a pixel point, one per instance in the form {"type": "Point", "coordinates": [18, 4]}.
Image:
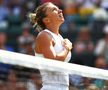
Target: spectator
{"type": "Point", "coordinates": [69, 7]}
{"type": "Point", "coordinates": [83, 48]}
{"type": "Point", "coordinates": [96, 84]}
{"type": "Point", "coordinates": [100, 62]}
{"type": "Point", "coordinates": [83, 42]}
{"type": "Point", "coordinates": [102, 45]}
{"type": "Point", "coordinates": [92, 87]}
{"type": "Point", "coordinates": [11, 80]}
{"type": "Point", "coordinates": [3, 39]}
{"type": "Point", "coordinates": [76, 81]}
{"type": "Point", "coordinates": [2, 85]}
{"type": "Point", "coordinates": [100, 14]}
{"type": "Point", "coordinates": [14, 7]}
{"type": "Point", "coordinates": [21, 86]}
{"type": "Point", "coordinates": [35, 81]}
{"type": "Point", "coordinates": [4, 68]}
{"type": "Point", "coordinates": [86, 7]}
{"type": "Point", "coordinates": [25, 40]}
{"type": "Point", "coordinates": [3, 11]}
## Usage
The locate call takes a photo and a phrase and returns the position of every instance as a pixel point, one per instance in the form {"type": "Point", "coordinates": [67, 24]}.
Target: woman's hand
{"type": "Point", "coordinates": [67, 44]}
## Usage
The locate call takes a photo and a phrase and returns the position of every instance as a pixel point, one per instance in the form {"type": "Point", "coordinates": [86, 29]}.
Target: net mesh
{"type": "Point", "coordinates": [21, 72]}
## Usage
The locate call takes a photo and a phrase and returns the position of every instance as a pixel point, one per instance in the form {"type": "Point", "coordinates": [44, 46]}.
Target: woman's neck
{"type": "Point", "coordinates": [53, 28]}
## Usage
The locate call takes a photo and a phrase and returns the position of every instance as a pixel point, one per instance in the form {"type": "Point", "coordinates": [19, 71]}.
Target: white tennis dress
{"type": "Point", "coordinates": [55, 80]}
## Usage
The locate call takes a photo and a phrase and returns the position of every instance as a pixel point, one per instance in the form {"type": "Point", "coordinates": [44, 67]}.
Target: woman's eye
{"type": "Point", "coordinates": [54, 9]}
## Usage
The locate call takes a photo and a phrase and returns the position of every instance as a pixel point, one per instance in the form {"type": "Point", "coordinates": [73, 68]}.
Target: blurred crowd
{"type": "Point", "coordinates": [86, 26]}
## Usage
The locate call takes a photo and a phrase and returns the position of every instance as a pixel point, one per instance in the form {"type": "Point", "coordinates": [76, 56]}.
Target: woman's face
{"type": "Point", "coordinates": [54, 14]}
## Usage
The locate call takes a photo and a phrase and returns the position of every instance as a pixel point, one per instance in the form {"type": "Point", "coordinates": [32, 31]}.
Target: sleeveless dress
{"type": "Point", "coordinates": [55, 80]}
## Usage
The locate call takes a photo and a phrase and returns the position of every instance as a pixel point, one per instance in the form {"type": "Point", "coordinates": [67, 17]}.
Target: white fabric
{"type": "Point", "coordinates": [58, 44]}
{"type": "Point", "coordinates": [100, 47]}
{"type": "Point", "coordinates": [55, 80]}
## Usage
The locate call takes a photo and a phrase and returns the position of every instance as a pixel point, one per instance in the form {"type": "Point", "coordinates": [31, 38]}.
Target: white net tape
{"type": "Point", "coordinates": [51, 65]}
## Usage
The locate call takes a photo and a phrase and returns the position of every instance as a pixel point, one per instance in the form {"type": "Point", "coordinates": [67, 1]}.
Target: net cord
{"type": "Point", "coordinates": [51, 65]}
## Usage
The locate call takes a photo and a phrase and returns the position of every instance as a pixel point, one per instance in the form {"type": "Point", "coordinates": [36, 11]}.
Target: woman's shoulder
{"type": "Point", "coordinates": [43, 35]}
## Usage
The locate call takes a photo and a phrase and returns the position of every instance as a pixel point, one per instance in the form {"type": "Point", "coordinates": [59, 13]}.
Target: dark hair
{"type": "Point", "coordinates": [37, 17]}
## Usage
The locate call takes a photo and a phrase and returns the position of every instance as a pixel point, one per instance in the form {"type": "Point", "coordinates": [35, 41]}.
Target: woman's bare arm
{"type": "Point", "coordinates": [44, 45]}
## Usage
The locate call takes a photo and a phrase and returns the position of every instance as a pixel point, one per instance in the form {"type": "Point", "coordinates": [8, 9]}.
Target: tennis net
{"type": "Point", "coordinates": [20, 71]}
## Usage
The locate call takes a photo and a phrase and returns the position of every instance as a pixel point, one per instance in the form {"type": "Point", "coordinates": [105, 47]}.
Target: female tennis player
{"type": "Point", "coordinates": [50, 44]}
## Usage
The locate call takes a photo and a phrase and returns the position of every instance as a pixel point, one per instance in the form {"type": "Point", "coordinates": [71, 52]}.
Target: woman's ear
{"type": "Point", "coordinates": [46, 20]}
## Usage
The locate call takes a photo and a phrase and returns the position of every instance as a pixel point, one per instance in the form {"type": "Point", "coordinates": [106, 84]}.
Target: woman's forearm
{"type": "Point", "coordinates": [62, 55]}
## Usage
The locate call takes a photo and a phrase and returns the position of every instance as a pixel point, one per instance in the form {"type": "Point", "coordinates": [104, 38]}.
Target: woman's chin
{"type": "Point", "coordinates": [62, 20]}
